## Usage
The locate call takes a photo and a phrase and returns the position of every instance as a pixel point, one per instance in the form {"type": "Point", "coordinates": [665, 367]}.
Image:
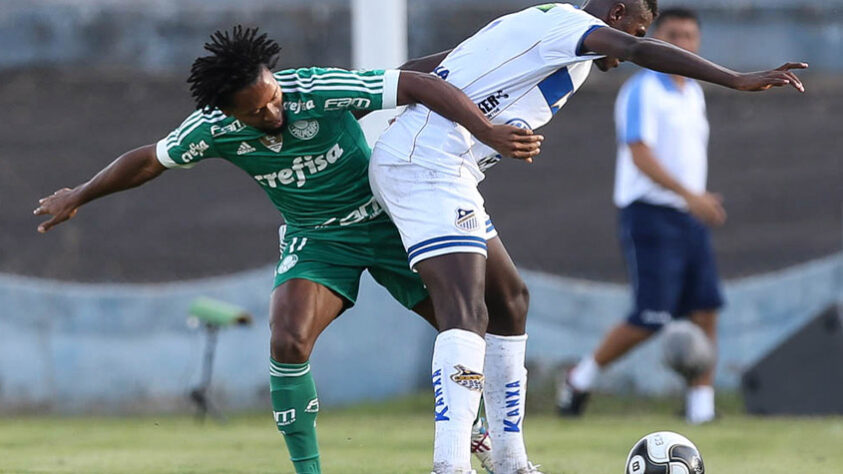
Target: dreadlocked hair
{"type": "Point", "coordinates": [235, 62]}
{"type": "Point", "coordinates": [653, 6]}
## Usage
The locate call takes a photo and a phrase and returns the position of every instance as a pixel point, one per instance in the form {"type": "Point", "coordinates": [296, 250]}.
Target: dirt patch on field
{"type": "Point", "coordinates": [774, 156]}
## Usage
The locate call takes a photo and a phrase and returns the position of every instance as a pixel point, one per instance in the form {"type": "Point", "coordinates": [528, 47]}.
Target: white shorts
{"type": "Point", "coordinates": [436, 212]}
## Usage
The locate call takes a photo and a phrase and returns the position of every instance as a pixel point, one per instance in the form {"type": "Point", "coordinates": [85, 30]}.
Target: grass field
{"type": "Point", "coordinates": [396, 437]}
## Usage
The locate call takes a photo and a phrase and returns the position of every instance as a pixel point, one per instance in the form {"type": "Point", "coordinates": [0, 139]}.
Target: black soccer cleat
{"type": "Point", "coordinates": [569, 401]}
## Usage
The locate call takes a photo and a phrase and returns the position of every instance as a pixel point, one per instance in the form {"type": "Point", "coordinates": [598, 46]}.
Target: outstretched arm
{"type": "Point", "coordinates": [128, 171]}
{"type": "Point", "coordinates": [423, 64]}
{"type": "Point", "coordinates": [664, 57]}
{"type": "Point", "coordinates": [453, 104]}
{"type": "Point", "coordinates": [426, 63]}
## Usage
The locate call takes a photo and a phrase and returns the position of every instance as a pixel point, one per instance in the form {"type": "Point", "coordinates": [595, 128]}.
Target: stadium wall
{"type": "Point", "coordinates": [165, 35]}
{"type": "Point", "coordinates": [70, 348]}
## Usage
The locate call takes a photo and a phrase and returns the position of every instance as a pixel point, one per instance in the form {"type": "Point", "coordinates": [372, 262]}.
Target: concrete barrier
{"type": "Point", "coordinates": [68, 347]}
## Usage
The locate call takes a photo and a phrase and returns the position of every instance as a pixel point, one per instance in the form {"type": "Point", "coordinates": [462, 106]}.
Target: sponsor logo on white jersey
{"type": "Point", "coordinates": [304, 129]}
{"type": "Point", "coordinates": [491, 104]}
{"type": "Point", "coordinates": [245, 148]}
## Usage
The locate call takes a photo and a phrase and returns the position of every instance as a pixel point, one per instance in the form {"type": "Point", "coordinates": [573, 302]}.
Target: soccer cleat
{"type": "Point", "coordinates": [570, 401]}
{"type": "Point", "coordinates": [530, 469]}
{"type": "Point", "coordinates": [481, 445]}
{"type": "Point", "coordinates": [460, 471]}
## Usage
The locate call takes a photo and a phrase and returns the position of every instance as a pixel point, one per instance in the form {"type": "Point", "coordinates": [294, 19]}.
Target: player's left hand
{"type": "Point", "coordinates": [61, 205]}
{"type": "Point", "coordinates": [763, 80]}
{"type": "Point", "coordinates": [513, 142]}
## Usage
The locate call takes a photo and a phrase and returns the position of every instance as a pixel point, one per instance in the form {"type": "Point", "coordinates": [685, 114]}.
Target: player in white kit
{"type": "Point", "coordinates": [520, 69]}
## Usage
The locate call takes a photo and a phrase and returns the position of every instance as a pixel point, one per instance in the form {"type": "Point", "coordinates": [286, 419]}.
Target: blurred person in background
{"type": "Point", "coordinates": [660, 189]}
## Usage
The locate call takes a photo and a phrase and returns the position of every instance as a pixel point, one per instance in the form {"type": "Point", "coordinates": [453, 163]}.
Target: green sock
{"type": "Point", "coordinates": [295, 406]}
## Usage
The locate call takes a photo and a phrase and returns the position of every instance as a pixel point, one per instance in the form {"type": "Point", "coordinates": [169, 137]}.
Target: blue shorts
{"type": "Point", "coordinates": [670, 262]}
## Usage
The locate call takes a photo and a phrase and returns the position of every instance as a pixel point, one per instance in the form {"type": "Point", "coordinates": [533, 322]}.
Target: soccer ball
{"type": "Point", "coordinates": [664, 452]}
{"type": "Point", "coordinates": [687, 350]}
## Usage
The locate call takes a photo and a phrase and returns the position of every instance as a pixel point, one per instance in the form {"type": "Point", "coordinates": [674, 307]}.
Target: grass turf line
{"type": "Point", "coordinates": [396, 437]}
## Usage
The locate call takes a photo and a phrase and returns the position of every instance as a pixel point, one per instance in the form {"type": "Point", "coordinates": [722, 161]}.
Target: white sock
{"type": "Point", "coordinates": [699, 404]}
{"type": "Point", "coordinates": [583, 375]}
{"type": "Point", "coordinates": [457, 385]}
{"type": "Point", "coordinates": [505, 394]}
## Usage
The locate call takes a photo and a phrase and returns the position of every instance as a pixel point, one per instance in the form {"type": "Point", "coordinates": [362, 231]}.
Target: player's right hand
{"type": "Point", "coordinates": [779, 77]}
{"type": "Point", "coordinates": [513, 142]}
{"type": "Point", "coordinates": [62, 205]}
{"type": "Point", "coordinates": [707, 207]}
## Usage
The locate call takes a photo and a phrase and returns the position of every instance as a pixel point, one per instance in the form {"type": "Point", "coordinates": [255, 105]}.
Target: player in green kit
{"type": "Point", "coordinates": [294, 133]}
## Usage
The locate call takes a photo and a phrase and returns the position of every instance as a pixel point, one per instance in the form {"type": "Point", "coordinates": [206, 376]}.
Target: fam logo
{"type": "Point", "coordinates": [466, 220]}
{"type": "Point", "coordinates": [490, 104]}
{"type": "Point", "coordinates": [341, 103]}
{"type": "Point", "coordinates": [273, 142]}
{"type": "Point", "coordinates": [465, 377]}
{"type": "Point", "coordinates": [304, 129]}
{"type": "Point", "coordinates": [285, 265]}
{"type": "Point", "coordinates": [234, 126]}
{"type": "Point", "coordinates": [195, 150]}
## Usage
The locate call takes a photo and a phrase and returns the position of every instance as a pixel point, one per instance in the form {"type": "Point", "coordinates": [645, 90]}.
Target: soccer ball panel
{"type": "Point", "coordinates": [664, 452]}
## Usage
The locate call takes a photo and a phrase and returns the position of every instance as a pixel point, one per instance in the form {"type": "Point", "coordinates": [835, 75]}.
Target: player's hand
{"type": "Point", "coordinates": [707, 207]}
{"type": "Point", "coordinates": [62, 205]}
{"type": "Point", "coordinates": [513, 142]}
{"type": "Point", "coordinates": [779, 77]}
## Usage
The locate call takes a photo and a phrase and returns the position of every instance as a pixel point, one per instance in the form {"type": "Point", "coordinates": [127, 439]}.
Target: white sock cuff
{"type": "Point", "coordinates": [494, 341]}
{"type": "Point", "coordinates": [700, 391]}
{"type": "Point", "coordinates": [461, 336]}
{"type": "Point", "coordinates": [583, 375]}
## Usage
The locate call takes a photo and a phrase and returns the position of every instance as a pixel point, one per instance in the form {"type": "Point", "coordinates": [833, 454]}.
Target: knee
{"type": "Point", "coordinates": [290, 345]}
{"type": "Point", "coordinates": [517, 303]}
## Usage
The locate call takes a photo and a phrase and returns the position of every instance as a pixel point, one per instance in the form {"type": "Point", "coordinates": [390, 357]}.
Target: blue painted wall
{"type": "Point", "coordinates": [69, 347]}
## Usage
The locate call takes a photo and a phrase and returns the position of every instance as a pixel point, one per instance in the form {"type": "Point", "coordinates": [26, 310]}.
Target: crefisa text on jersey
{"type": "Point", "coordinates": [296, 173]}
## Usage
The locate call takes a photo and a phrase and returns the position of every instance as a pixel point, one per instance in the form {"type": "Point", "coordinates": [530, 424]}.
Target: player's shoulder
{"type": "Point", "coordinates": [202, 123]}
{"type": "Point", "coordinates": [310, 79]}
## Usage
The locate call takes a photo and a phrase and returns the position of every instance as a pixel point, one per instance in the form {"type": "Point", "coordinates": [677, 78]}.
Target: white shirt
{"type": "Point", "coordinates": [651, 108]}
{"type": "Point", "coordinates": [519, 69]}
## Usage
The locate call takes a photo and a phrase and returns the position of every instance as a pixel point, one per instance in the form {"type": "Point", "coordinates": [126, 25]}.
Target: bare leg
{"type": "Point", "coordinates": [707, 320]}
{"type": "Point", "coordinates": [618, 342]}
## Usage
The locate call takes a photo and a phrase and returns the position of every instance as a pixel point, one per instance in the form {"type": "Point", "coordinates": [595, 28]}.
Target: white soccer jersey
{"type": "Point", "coordinates": [519, 69]}
{"type": "Point", "coordinates": [653, 110]}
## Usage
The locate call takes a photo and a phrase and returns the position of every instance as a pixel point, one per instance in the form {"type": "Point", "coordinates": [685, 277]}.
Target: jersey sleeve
{"type": "Point", "coordinates": [190, 143]}
{"type": "Point", "coordinates": [636, 112]}
{"type": "Point", "coordinates": [563, 42]}
{"type": "Point", "coordinates": [335, 89]}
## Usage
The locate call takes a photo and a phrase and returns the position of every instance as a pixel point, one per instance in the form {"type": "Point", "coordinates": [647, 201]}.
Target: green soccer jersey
{"type": "Point", "coordinates": [316, 170]}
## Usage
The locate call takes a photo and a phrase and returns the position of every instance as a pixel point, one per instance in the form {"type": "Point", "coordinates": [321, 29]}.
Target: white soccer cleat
{"type": "Point", "coordinates": [530, 469]}
{"type": "Point", "coordinates": [481, 445]}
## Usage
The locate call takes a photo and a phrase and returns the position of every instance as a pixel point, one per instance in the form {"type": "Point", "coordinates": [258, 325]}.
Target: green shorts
{"type": "Point", "coordinates": [337, 258]}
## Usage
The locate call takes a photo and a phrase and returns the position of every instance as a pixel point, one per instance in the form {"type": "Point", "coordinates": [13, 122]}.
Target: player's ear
{"type": "Point", "coordinates": [616, 13]}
